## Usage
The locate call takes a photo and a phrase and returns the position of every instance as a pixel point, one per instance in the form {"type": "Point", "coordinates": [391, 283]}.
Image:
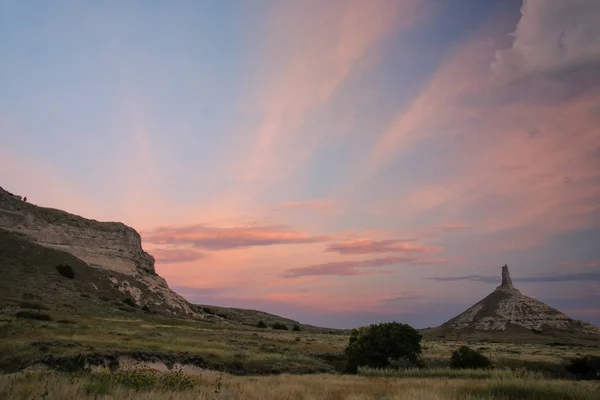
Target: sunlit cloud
{"type": "Point", "coordinates": [580, 264]}
{"type": "Point", "coordinates": [366, 246]}
{"type": "Point", "coordinates": [362, 267]}
{"type": "Point", "coordinates": [216, 238]}
{"type": "Point", "coordinates": [551, 38]}
{"type": "Point", "coordinates": [323, 206]}
{"type": "Point", "coordinates": [170, 256]}
{"type": "Point", "coordinates": [316, 47]}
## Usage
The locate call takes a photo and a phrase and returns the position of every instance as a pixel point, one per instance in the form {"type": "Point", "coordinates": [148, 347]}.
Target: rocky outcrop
{"type": "Point", "coordinates": [111, 246]}
{"type": "Point", "coordinates": [507, 307]}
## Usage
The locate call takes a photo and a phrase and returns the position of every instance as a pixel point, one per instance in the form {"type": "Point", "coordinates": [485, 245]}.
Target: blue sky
{"type": "Point", "coordinates": [421, 139]}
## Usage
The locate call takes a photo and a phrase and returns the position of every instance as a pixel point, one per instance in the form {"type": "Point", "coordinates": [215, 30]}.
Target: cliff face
{"type": "Point", "coordinates": [111, 246]}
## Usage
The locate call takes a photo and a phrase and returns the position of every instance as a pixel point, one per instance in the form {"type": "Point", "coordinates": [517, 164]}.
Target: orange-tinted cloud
{"type": "Point", "coordinates": [366, 246]}
{"type": "Point", "coordinates": [171, 256]}
{"type": "Point", "coordinates": [214, 238]}
{"type": "Point", "coordinates": [323, 206]}
{"type": "Point", "coordinates": [344, 268]}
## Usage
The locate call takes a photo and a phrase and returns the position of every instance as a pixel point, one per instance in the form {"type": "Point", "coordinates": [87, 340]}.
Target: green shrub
{"type": "Point", "coordinates": [261, 324]}
{"type": "Point", "coordinates": [66, 271]}
{"type": "Point", "coordinates": [32, 306]}
{"type": "Point", "coordinates": [129, 301]}
{"type": "Point", "coordinates": [467, 358]}
{"type": "Point", "coordinates": [137, 378]}
{"type": "Point", "coordinates": [176, 380]}
{"type": "Point", "coordinates": [33, 315]}
{"type": "Point", "coordinates": [141, 378]}
{"type": "Point", "coordinates": [587, 367]}
{"type": "Point", "coordinates": [97, 388]}
{"type": "Point", "coordinates": [375, 346]}
{"type": "Point", "coordinates": [296, 328]}
{"type": "Point", "coordinates": [280, 326]}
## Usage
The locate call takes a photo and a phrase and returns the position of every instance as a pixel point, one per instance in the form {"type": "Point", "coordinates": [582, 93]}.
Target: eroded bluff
{"type": "Point", "coordinates": [112, 246]}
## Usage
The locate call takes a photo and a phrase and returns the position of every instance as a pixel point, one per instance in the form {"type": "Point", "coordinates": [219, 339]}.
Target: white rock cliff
{"type": "Point", "coordinates": [111, 246]}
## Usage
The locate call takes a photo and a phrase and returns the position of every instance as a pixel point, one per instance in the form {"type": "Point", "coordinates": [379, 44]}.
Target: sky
{"type": "Point", "coordinates": [338, 162]}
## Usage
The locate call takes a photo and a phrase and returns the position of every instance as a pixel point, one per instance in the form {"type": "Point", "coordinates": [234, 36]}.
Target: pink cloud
{"type": "Point", "coordinates": [315, 49]}
{"type": "Point", "coordinates": [171, 256]}
{"type": "Point", "coordinates": [346, 268]}
{"type": "Point", "coordinates": [525, 169]}
{"type": "Point", "coordinates": [580, 264]}
{"type": "Point", "coordinates": [214, 238]}
{"type": "Point", "coordinates": [366, 246]}
{"type": "Point", "coordinates": [323, 206]}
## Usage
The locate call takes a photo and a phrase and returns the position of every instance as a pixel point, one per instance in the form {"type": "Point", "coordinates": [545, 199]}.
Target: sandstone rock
{"type": "Point", "coordinates": [111, 246]}
{"type": "Point", "coordinates": [507, 306]}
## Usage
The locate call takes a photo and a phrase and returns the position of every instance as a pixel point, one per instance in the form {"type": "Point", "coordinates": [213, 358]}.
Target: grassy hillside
{"type": "Point", "coordinates": [30, 278]}
{"type": "Point", "coordinates": [253, 317]}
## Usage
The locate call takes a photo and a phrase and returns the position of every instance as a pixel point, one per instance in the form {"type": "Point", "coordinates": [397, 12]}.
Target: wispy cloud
{"type": "Point", "coordinates": [323, 44]}
{"type": "Point", "coordinates": [367, 246]}
{"type": "Point", "coordinates": [545, 278]}
{"type": "Point", "coordinates": [580, 264]}
{"type": "Point", "coordinates": [323, 206]}
{"type": "Point", "coordinates": [362, 267]}
{"type": "Point", "coordinates": [400, 297]}
{"type": "Point", "coordinates": [215, 238]}
{"type": "Point", "coordinates": [172, 256]}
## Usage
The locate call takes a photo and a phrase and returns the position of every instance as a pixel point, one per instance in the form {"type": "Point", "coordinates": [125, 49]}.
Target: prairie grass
{"type": "Point", "coordinates": [210, 385]}
{"type": "Point", "coordinates": [448, 373]}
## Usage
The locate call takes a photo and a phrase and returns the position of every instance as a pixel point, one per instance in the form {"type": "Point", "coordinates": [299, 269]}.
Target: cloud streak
{"type": "Point", "coordinates": [369, 246]}
{"type": "Point", "coordinates": [323, 206]}
{"type": "Point", "coordinates": [322, 47]}
{"type": "Point", "coordinates": [172, 256]}
{"type": "Point", "coordinates": [546, 278]}
{"type": "Point", "coordinates": [361, 267]}
{"type": "Point", "coordinates": [215, 238]}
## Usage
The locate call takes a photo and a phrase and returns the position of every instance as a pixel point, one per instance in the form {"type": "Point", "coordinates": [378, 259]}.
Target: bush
{"type": "Point", "coordinates": [261, 324]}
{"type": "Point", "coordinates": [141, 378]}
{"type": "Point", "coordinates": [296, 328]}
{"type": "Point", "coordinates": [32, 306]}
{"type": "Point", "coordinates": [33, 315]}
{"type": "Point", "coordinates": [129, 301]}
{"type": "Point", "coordinates": [375, 346]}
{"type": "Point", "coordinates": [280, 326]}
{"type": "Point", "coordinates": [467, 358]}
{"type": "Point", "coordinates": [587, 367]}
{"type": "Point", "coordinates": [66, 271]}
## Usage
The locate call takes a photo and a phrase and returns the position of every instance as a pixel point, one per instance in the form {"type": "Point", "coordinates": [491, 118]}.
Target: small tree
{"type": "Point", "coordinates": [467, 358]}
{"type": "Point", "coordinates": [66, 271]}
{"type": "Point", "coordinates": [296, 328]}
{"type": "Point", "coordinates": [280, 326]}
{"type": "Point", "coordinates": [378, 345]}
{"type": "Point", "coordinates": [261, 324]}
{"type": "Point", "coordinates": [586, 367]}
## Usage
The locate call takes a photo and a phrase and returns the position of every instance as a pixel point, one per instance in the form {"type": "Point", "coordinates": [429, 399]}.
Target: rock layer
{"type": "Point", "coordinates": [507, 306]}
{"type": "Point", "coordinates": [111, 246]}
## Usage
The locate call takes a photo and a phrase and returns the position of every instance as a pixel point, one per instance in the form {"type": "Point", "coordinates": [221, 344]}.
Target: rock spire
{"type": "Point", "coordinates": [506, 281]}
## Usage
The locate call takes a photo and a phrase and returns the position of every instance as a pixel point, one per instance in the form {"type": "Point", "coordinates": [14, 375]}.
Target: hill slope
{"type": "Point", "coordinates": [104, 255]}
{"type": "Point", "coordinates": [507, 312]}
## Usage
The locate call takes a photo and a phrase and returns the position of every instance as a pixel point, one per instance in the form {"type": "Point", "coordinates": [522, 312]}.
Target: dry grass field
{"type": "Point", "coordinates": [211, 385]}
{"type": "Point", "coordinates": [227, 361]}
